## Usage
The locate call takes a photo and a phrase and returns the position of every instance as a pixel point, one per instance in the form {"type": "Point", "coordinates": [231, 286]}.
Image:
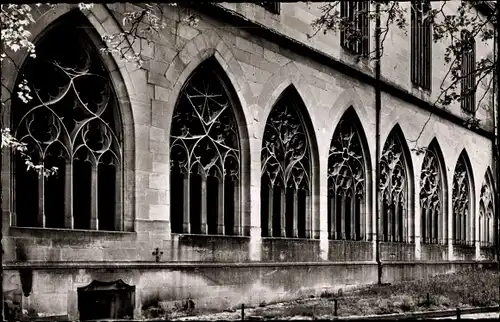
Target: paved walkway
{"type": "Point", "coordinates": [493, 315]}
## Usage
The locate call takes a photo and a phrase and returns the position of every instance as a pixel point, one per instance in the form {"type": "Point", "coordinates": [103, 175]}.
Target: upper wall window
{"type": "Point", "coordinates": [72, 123]}
{"type": "Point", "coordinates": [421, 42]}
{"type": "Point", "coordinates": [271, 6]}
{"type": "Point", "coordinates": [355, 38]}
{"type": "Point", "coordinates": [468, 76]}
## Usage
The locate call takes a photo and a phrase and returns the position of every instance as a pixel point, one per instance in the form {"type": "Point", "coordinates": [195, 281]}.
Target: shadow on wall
{"type": "Point", "coordinates": [13, 298]}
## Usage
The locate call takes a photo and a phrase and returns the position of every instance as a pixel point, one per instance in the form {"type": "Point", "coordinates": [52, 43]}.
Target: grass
{"type": "Point", "coordinates": [469, 288]}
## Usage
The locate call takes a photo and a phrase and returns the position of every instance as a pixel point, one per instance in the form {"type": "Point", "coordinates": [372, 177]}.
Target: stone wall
{"type": "Point", "coordinates": [245, 268]}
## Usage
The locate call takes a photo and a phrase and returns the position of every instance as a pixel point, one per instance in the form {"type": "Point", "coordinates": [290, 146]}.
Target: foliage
{"type": "Point", "coordinates": [144, 21]}
{"type": "Point", "coordinates": [454, 28]}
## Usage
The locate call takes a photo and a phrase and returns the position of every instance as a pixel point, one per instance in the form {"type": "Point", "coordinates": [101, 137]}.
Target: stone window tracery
{"type": "Point", "coordinates": [72, 123]}
{"type": "Point", "coordinates": [486, 214]}
{"type": "Point", "coordinates": [286, 168]}
{"type": "Point", "coordinates": [432, 198]}
{"type": "Point", "coordinates": [394, 191]}
{"type": "Point", "coordinates": [461, 204]}
{"type": "Point", "coordinates": [205, 157]}
{"type": "Point", "coordinates": [346, 183]}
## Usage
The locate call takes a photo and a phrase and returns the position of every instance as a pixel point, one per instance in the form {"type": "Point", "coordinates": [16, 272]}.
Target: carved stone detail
{"type": "Point", "coordinates": [72, 123]}
{"type": "Point", "coordinates": [431, 198]}
{"type": "Point", "coordinates": [486, 214]}
{"type": "Point", "coordinates": [204, 137]}
{"type": "Point", "coordinates": [393, 187]}
{"type": "Point", "coordinates": [460, 202]}
{"type": "Point", "coordinates": [346, 183]}
{"type": "Point", "coordinates": [285, 149]}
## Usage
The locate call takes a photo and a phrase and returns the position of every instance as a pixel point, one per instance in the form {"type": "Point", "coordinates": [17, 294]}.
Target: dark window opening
{"type": "Point", "coordinates": [421, 42]}
{"type": "Point", "coordinates": [468, 75]}
{"type": "Point", "coordinates": [271, 6]}
{"type": "Point", "coordinates": [356, 37]}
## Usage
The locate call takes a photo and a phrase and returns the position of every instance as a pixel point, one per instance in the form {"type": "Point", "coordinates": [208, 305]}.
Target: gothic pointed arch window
{"type": "Point", "coordinates": [394, 189]}
{"type": "Point", "coordinates": [486, 212]}
{"type": "Point", "coordinates": [205, 156]}
{"type": "Point", "coordinates": [463, 234]}
{"type": "Point", "coordinates": [286, 171]}
{"type": "Point", "coordinates": [347, 181]}
{"type": "Point", "coordinates": [72, 123]}
{"type": "Point", "coordinates": [432, 197]}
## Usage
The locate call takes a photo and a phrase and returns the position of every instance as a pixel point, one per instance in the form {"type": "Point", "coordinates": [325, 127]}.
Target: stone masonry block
{"type": "Point", "coordinates": [142, 112]}
{"type": "Point", "coordinates": [175, 69]}
{"type": "Point", "coordinates": [147, 48]}
{"type": "Point", "coordinates": [158, 181]}
{"type": "Point", "coordinates": [157, 66]}
{"type": "Point", "coordinates": [189, 52]}
{"type": "Point", "coordinates": [161, 121]}
{"type": "Point", "coordinates": [201, 42]}
{"type": "Point", "coordinates": [187, 32]}
{"type": "Point", "coordinates": [144, 161]}
{"type": "Point", "coordinates": [156, 133]}
{"type": "Point", "coordinates": [158, 212]}
{"type": "Point", "coordinates": [161, 158]}
{"type": "Point", "coordinates": [158, 106]}
{"type": "Point", "coordinates": [255, 74]}
{"type": "Point", "coordinates": [158, 79]}
{"type": "Point", "coordinates": [164, 53]}
{"type": "Point", "coordinates": [161, 167]}
{"type": "Point", "coordinates": [249, 46]}
{"type": "Point", "coordinates": [100, 12]}
{"type": "Point", "coordinates": [158, 146]}
{"type": "Point", "coordinates": [162, 93]}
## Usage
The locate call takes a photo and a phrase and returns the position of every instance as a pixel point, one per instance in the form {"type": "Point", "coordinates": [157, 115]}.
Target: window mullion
{"type": "Point", "coordinates": [220, 208]}
{"type": "Point", "coordinates": [94, 219]}
{"type": "Point", "coordinates": [69, 221]}
{"type": "Point", "coordinates": [41, 200]}
{"type": "Point", "coordinates": [186, 225]}
{"type": "Point", "coordinates": [238, 225]}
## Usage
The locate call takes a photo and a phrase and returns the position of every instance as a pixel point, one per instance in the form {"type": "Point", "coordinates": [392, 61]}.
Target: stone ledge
{"type": "Point", "coordinates": [43, 265]}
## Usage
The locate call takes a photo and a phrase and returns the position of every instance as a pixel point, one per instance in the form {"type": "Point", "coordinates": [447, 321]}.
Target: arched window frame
{"type": "Point", "coordinates": [212, 218]}
{"type": "Point", "coordinates": [69, 21]}
{"type": "Point", "coordinates": [287, 191]}
{"type": "Point", "coordinates": [487, 212]}
{"type": "Point", "coordinates": [396, 185]}
{"type": "Point", "coordinates": [463, 203]}
{"type": "Point", "coordinates": [358, 227]}
{"type": "Point", "coordinates": [433, 176]}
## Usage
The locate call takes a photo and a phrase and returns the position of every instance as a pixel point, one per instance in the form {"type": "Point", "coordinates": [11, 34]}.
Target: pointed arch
{"type": "Point", "coordinates": [205, 155]}
{"type": "Point", "coordinates": [287, 169]}
{"type": "Point", "coordinates": [74, 108]}
{"type": "Point", "coordinates": [348, 169]}
{"type": "Point", "coordinates": [396, 185]}
{"type": "Point", "coordinates": [433, 196]}
{"type": "Point", "coordinates": [487, 211]}
{"type": "Point", "coordinates": [463, 202]}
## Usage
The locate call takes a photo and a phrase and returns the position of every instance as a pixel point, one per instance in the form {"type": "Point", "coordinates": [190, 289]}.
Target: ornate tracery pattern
{"type": "Point", "coordinates": [205, 157]}
{"type": "Point", "coordinates": [346, 183]}
{"type": "Point", "coordinates": [72, 124]}
{"type": "Point", "coordinates": [486, 213]}
{"type": "Point", "coordinates": [286, 166]}
{"type": "Point", "coordinates": [461, 204]}
{"type": "Point", "coordinates": [394, 191]}
{"type": "Point", "coordinates": [431, 199]}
